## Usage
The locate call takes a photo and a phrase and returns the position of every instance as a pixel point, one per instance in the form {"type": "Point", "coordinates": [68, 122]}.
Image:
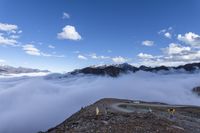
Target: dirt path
{"type": "Point", "coordinates": [139, 107]}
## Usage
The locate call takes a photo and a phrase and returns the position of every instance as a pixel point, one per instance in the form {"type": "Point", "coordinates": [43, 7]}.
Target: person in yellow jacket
{"type": "Point", "coordinates": [171, 111]}
{"type": "Point", "coordinates": [97, 111]}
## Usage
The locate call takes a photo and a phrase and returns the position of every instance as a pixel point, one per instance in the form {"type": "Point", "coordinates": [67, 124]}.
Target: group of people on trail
{"type": "Point", "coordinates": [171, 112]}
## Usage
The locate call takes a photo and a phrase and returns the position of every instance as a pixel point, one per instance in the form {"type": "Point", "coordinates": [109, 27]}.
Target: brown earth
{"type": "Point", "coordinates": [127, 116]}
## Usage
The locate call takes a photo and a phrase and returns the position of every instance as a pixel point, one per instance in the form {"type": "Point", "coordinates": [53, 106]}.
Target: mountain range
{"type": "Point", "coordinates": [109, 70]}
{"type": "Point", "coordinates": [5, 69]}
{"type": "Point", "coordinates": [116, 70]}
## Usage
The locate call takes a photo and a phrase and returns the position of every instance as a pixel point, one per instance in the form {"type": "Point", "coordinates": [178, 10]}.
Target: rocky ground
{"type": "Point", "coordinates": [127, 116]}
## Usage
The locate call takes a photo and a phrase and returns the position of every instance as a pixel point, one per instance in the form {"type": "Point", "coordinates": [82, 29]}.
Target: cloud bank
{"type": "Point", "coordinates": [28, 105]}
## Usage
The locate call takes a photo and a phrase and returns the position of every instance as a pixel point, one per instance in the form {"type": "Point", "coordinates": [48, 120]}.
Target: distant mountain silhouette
{"type": "Point", "coordinates": [4, 69]}
{"type": "Point", "coordinates": [115, 70]}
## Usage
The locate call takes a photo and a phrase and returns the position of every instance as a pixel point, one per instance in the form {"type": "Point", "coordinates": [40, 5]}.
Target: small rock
{"type": "Point", "coordinates": [105, 122]}
{"type": "Point", "coordinates": [177, 127]}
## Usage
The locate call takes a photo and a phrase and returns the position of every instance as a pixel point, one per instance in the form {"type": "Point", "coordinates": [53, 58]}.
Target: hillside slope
{"type": "Point", "coordinates": [127, 116]}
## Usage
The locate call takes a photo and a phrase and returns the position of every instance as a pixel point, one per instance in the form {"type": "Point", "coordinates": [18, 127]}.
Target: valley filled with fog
{"type": "Point", "coordinates": [31, 104]}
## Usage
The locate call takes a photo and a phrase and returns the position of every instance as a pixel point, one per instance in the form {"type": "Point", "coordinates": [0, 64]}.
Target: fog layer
{"type": "Point", "coordinates": [31, 104]}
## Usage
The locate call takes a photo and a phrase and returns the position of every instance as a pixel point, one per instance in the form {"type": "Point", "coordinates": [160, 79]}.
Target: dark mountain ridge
{"type": "Point", "coordinates": [116, 70]}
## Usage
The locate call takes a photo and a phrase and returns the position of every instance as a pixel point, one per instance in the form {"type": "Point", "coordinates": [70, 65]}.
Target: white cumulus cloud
{"type": "Point", "coordinates": [145, 56]}
{"type": "Point", "coordinates": [66, 15]}
{"type": "Point", "coordinates": [51, 46]}
{"type": "Point", "coordinates": [8, 27]}
{"type": "Point", "coordinates": [166, 32]}
{"type": "Point", "coordinates": [148, 43]}
{"type": "Point", "coordinates": [173, 55]}
{"type": "Point", "coordinates": [168, 35]}
{"type": "Point", "coordinates": [190, 38]}
{"type": "Point", "coordinates": [14, 36]}
{"type": "Point", "coordinates": [82, 57]}
{"type": "Point", "coordinates": [119, 59]}
{"type": "Point", "coordinates": [31, 50]}
{"type": "Point", "coordinates": [69, 32]}
{"type": "Point", "coordinates": [9, 33]}
{"type": "Point", "coordinates": [7, 41]}
{"type": "Point", "coordinates": [94, 56]}
{"type": "Point", "coordinates": [177, 49]}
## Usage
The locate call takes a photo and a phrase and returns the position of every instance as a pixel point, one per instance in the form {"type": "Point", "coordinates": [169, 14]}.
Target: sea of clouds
{"type": "Point", "coordinates": [32, 104]}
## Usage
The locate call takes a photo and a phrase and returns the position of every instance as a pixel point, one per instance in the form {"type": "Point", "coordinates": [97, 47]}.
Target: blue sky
{"type": "Point", "coordinates": [62, 35]}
